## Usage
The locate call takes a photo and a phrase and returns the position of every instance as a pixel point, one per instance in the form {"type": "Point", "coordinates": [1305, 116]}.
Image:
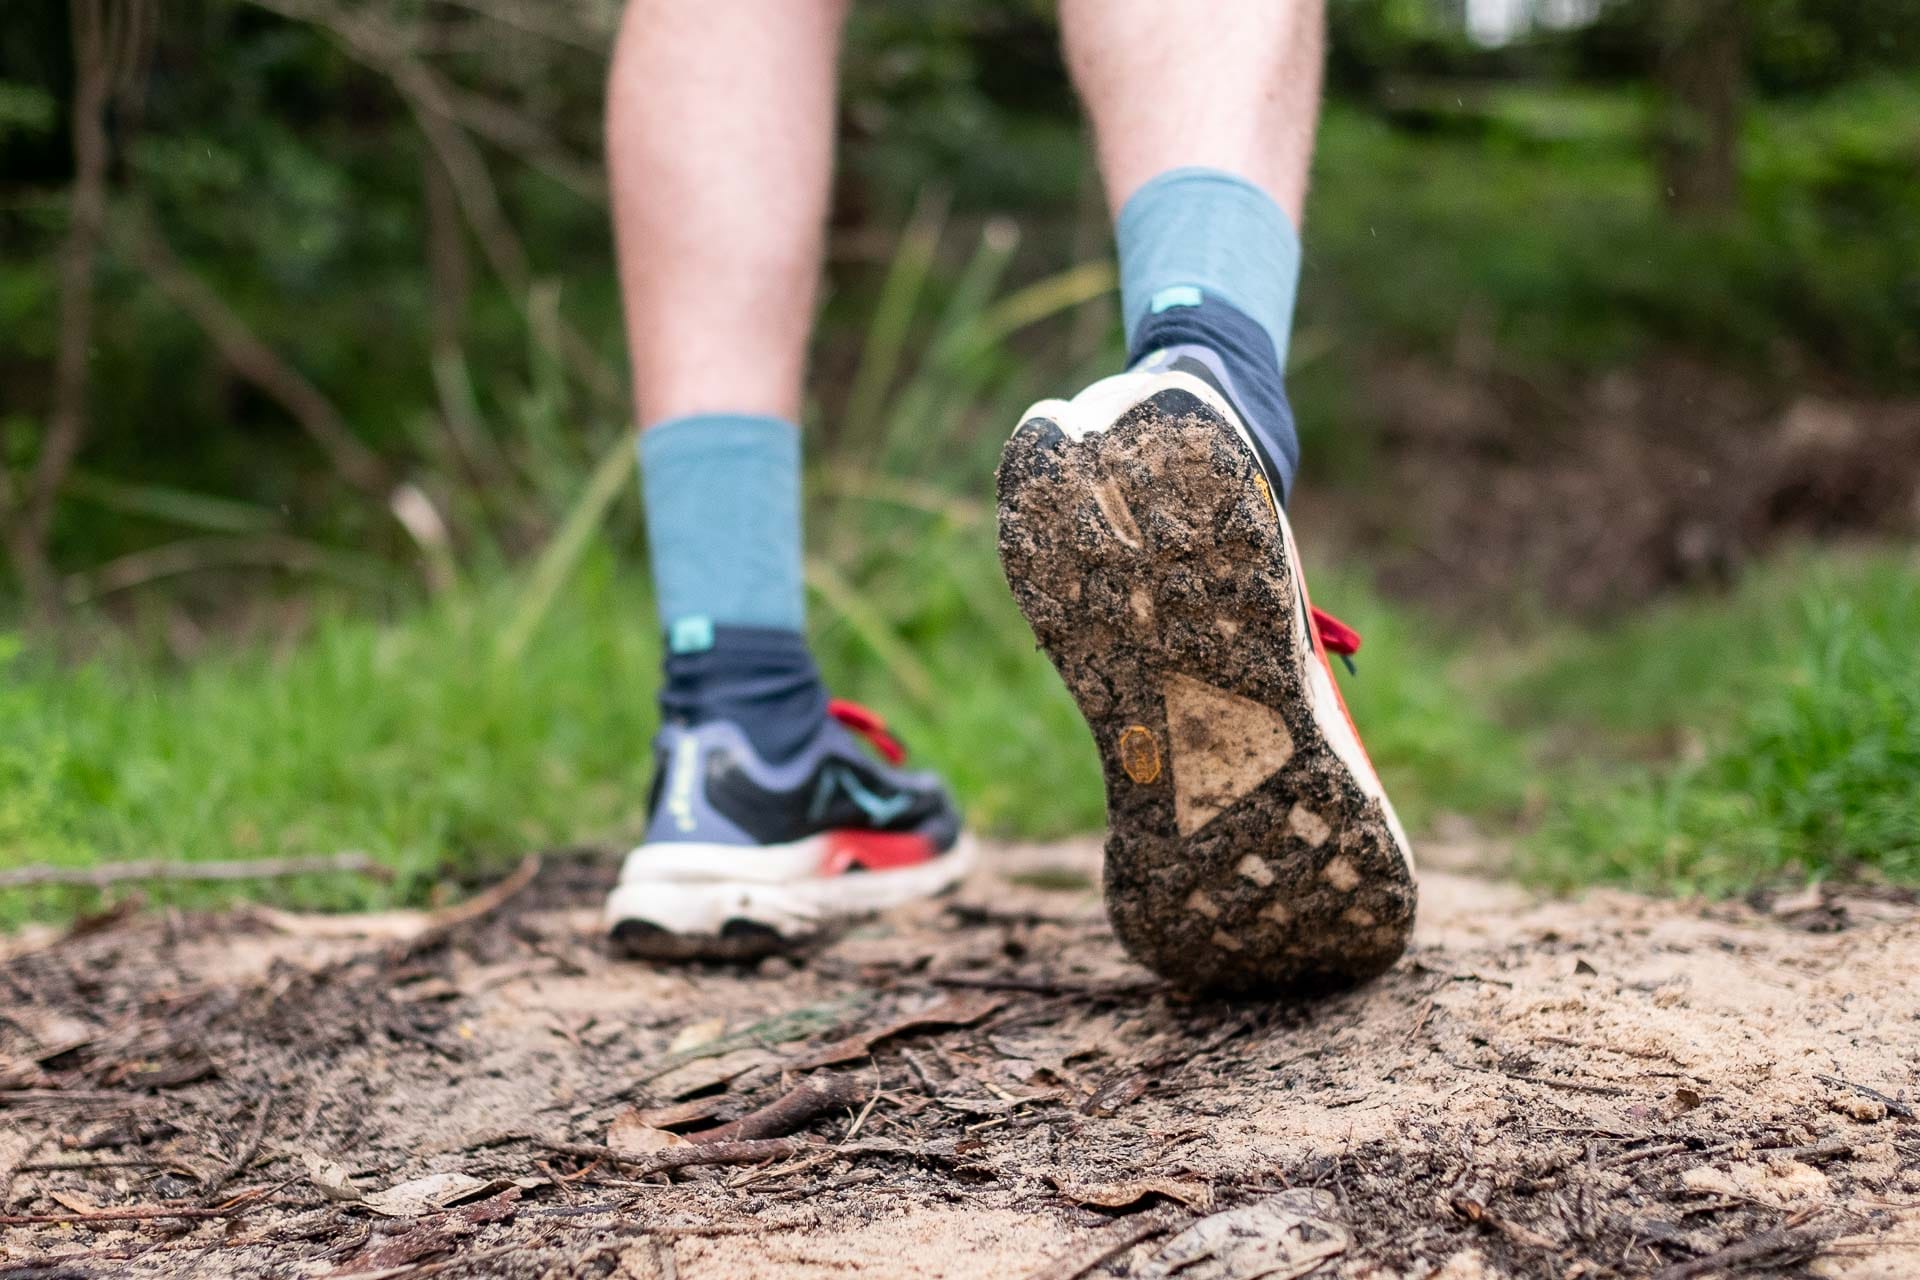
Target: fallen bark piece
{"type": "Point", "coordinates": [961, 1010]}
{"type": "Point", "coordinates": [791, 1111]}
{"type": "Point", "coordinates": [412, 1198]}
{"type": "Point", "coordinates": [1116, 1093]}
{"type": "Point", "coordinates": [431, 1238]}
{"type": "Point", "coordinates": [679, 1114]}
{"type": "Point", "coordinates": [631, 1135]}
{"type": "Point", "coordinates": [753, 1152]}
{"type": "Point", "coordinates": [331, 1179]}
{"type": "Point", "coordinates": [1283, 1237]}
{"type": "Point", "coordinates": [1118, 1195]}
{"type": "Point", "coordinates": [1108, 1241]}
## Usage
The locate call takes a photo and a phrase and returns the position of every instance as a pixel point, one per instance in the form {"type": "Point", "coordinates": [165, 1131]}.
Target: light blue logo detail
{"type": "Point", "coordinates": [880, 810]}
{"type": "Point", "coordinates": [692, 634]}
{"type": "Point", "coordinates": [1175, 295]}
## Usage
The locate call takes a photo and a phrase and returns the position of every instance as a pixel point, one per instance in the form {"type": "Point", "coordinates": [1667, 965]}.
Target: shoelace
{"type": "Point", "coordinates": [1337, 637]}
{"type": "Point", "coordinates": [869, 725]}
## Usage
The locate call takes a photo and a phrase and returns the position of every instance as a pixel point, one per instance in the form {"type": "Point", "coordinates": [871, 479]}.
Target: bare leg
{"type": "Point", "coordinates": [1228, 84]}
{"type": "Point", "coordinates": [720, 147]}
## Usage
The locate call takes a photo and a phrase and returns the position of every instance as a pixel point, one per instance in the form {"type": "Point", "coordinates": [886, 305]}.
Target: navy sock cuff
{"type": "Point", "coordinates": [763, 679]}
{"type": "Point", "coordinates": [1245, 367]}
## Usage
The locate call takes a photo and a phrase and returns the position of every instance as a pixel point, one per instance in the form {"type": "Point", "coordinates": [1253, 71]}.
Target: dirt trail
{"type": "Point", "coordinates": [1613, 1087]}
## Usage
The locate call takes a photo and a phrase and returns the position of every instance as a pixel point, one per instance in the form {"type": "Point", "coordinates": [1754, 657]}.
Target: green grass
{"type": "Point", "coordinates": [1710, 745]}
{"type": "Point", "coordinates": [1792, 714]}
{"type": "Point", "coordinates": [403, 740]}
{"type": "Point", "coordinates": [413, 740]}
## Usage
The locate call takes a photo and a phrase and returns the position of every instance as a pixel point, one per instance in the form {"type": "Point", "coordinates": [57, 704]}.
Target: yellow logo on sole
{"type": "Point", "coordinates": [1139, 753]}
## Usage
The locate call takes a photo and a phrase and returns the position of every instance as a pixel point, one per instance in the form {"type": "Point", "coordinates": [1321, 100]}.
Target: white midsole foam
{"type": "Point", "coordinates": [696, 861]}
{"type": "Point", "coordinates": [792, 906]}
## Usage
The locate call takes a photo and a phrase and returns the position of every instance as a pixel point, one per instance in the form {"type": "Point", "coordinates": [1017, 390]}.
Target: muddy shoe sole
{"type": "Point", "coordinates": [1250, 845]}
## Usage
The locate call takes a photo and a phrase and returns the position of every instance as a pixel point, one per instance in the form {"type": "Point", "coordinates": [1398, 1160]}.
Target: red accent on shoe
{"type": "Point", "coordinates": [874, 851]}
{"type": "Point", "coordinates": [870, 726]}
{"type": "Point", "coordinates": [1334, 635]}
{"type": "Point", "coordinates": [1327, 634]}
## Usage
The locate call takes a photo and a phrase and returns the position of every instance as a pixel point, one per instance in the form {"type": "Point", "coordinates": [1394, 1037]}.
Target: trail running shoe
{"type": "Point", "coordinates": [743, 858]}
{"type": "Point", "coordinates": [1250, 843]}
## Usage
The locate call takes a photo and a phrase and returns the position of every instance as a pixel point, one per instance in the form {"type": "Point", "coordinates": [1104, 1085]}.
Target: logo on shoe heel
{"type": "Point", "coordinates": [680, 783]}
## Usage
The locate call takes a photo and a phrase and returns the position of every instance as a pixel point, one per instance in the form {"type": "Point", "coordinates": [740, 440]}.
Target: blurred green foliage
{"type": "Point", "coordinates": [269, 660]}
{"type": "Point", "coordinates": [1798, 707]}
{"type": "Point", "coordinates": [1507, 186]}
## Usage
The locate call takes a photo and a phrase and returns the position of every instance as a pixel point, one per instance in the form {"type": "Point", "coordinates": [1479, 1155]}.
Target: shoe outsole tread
{"type": "Point", "coordinates": [1152, 567]}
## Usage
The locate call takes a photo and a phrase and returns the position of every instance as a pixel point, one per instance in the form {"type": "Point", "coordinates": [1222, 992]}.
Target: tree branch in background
{"type": "Point", "coordinates": [250, 357]}
{"type": "Point", "coordinates": [201, 555]}
{"type": "Point", "coordinates": [549, 20]}
{"type": "Point", "coordinates": [108, 40]}
{"type": "Point", "coordinates": [259, 363]}
{"type": "Point", "coordinates": [436, 108]}
{"type": "Point", "coordinates": [112, 873]}
{"type": "Point", "coordinates": [1701, 65]}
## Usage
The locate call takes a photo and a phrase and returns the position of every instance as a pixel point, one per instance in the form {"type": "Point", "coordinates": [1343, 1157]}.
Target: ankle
{"type": "Point", "coordinates": [762, 679]}
{"type": "Point", "coordinates": [1227, 349]}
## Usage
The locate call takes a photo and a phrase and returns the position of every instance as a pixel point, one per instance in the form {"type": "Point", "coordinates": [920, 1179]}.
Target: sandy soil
{"type": "Point", "coordinates": [1611, 1087]}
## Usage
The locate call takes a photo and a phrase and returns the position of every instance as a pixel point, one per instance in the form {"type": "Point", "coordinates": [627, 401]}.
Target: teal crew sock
{"type": "Point", "coordinates": [723, 528]}
{"type": "Point", "coordinates": [1209, 266]}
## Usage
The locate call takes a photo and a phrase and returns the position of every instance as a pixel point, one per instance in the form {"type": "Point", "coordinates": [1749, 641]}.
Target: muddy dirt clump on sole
{"type": "Point", "coordinates": [1244, 852]}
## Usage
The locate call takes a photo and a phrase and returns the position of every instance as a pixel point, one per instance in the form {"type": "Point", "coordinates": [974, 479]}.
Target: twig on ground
{"type": "Point", "coordinates": [243, 1201]}
{"type": "Point", "coordinates": [112, 873]}
{"type": "Point", "coordinates": [747, 1152]}
{"type": "Point", "coordinates": [411, 1269]}
{"type": "Point", "coordinates": [1042, 986]}
{"type": "Point", "coordinates": [246, 1153]}
{"type": "Point", "coordinates": [482, 904]}
{"type": "Point", "coordinates": [1644, 1153]}
{"type": "Point", "coordinates": [788, 1112]}
{"type": "Point", "coordinates": [1893, 1105]}
{"type": "Point", "coordinates": [1577, 1086]}
{"type": "Point", "coordinates": [854, 1128]}
{"type": "Point", "coordinates": [1419, 1025]}
{"type": "Point", "coordinates": [1107, 1241]}
{"type": "Point", "coordinates": [1785, 1244]}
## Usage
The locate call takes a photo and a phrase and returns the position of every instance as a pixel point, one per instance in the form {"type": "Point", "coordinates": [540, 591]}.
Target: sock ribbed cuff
{"type": "Point", "coordinates": [723, 524]}
{"type": "Point", "coordinates": [1191, 233]}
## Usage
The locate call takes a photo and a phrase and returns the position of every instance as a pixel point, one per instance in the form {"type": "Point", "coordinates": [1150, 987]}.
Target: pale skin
{"type": "Point", "coordinates": [720, 124]}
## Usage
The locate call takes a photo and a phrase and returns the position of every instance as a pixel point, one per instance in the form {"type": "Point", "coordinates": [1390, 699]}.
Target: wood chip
{"type": "Point", "coordinates": [1118, 1195]}
{"type": "Point", "coordinates": [705, 1073]}
{"type": "Point", "coordinates": [631, 1135]}
{"type": "Point", "coordinates": [676, 1114]}
{"type": "Point", "coordinates": [420, 1195]}
{"type": "Point", "coordinates": [331, 1179]}
{"type": "Point", "coordinates": [1283, 1237]}
{"type": "Point", "coordinates": [697, 1033]}
{"type": "Point", "coordinates": [961, 1009]}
